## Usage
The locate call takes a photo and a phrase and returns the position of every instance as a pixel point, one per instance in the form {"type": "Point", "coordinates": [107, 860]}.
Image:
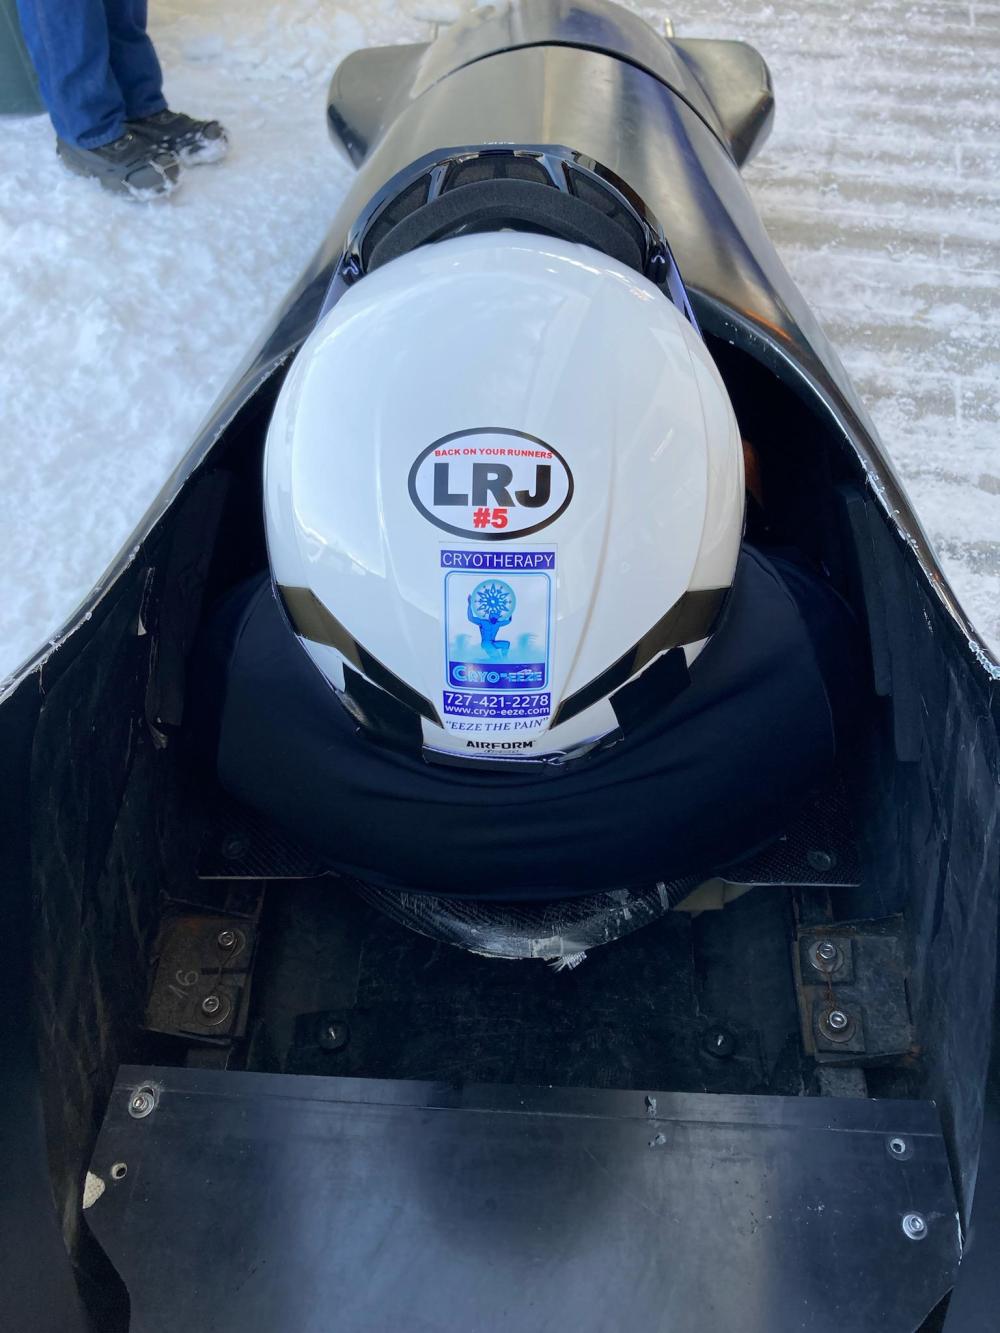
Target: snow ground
{"type": "Point", "coordinates": [121, 323]}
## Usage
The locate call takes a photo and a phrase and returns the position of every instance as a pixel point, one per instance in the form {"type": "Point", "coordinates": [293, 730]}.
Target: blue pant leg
{"type": "Point", "coordinates": [133, 58]}
{"type": "Point", "coordinates": [69, 46]}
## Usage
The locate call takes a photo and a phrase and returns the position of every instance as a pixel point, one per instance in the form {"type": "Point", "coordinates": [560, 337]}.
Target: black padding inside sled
{"type": "Point", "coordinates": [631, 1016]}
{"type": "Point", "coordinates": [493, 205]}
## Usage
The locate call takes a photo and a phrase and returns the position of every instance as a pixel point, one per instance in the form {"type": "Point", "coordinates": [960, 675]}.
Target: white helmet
{"type": "Point", "coordinates": [504, 498]}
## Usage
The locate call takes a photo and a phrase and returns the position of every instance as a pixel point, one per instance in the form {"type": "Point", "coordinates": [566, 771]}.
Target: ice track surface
{"type": "Point", "coordinates": [120, 323]}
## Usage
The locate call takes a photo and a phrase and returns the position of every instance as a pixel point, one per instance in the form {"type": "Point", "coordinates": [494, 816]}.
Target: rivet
{"type": "Point", "coordinates": [820, 861]}
{"type": "Point", "coordinates": [234, 848]}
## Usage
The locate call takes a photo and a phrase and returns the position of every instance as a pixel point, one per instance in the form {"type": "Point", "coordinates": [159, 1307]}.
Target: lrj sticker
{"type": "Point", "coordinates": [490, 483]}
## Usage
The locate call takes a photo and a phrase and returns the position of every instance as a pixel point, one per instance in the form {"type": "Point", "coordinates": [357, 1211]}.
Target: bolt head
{"type": "Point", "coordinates": [234, 848]}
{"type": "Point", "coordinates": [718, 1042]}
{"type": "Point", "coordinates": [837, 1025]}
{"type": "Point", "coordinates": [826, 956]}
{"type": "Point", "coordinates": [333, 1034]}
{"type": "Point", "coordinates": [141, 1103]}
{"type": "Point", "coordinates": [211, 1004]}
{"type": "Point", "coordinates": [819, 860]}
{"type": "Point", "coordinates": [914, 1226]}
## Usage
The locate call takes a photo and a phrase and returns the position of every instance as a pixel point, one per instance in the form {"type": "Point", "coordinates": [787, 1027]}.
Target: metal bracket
{"type": "Point", "coordinates": [851, 987]}
{"type": "Point", "coordinates": [202, 982]}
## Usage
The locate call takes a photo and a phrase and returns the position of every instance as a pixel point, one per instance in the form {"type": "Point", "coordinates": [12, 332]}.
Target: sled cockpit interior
{"type": "Point", "coordinates": [269, 1091]}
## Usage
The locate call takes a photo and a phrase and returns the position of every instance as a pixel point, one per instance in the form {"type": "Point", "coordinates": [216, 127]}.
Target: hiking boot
{"type": "Point", "coordinates": [193, 141]}
{"type": "Point", "coordinates": [130, 165]}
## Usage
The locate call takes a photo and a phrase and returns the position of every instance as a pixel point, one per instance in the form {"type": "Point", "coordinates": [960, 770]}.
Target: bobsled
{"type": "Point", "coordinates": [244, 1092]}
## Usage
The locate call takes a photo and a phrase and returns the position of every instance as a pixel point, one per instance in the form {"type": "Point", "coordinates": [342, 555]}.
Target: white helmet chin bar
{"type": "Point", "coordinates": [503, 479]}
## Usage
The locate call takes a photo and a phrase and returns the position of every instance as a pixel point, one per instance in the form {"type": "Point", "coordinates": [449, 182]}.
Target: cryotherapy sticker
{"type": "Point", "coordinates": [498, 639]}
{"type": "Point", "coordinates": [490, 483]}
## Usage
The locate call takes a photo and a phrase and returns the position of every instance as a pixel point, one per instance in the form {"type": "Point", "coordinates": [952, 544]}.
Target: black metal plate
{"type": "Point", "coordinates": [257, 1202]}
{"type": "Point", "coordinates": [633, 1015]}
{"type": "Point", "coordinates": [869, 984]}
{"type": "Point", "coordinates": [202, 983]}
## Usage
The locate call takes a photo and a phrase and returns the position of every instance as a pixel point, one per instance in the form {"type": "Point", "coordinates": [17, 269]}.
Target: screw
{"type": "Point", "coordinates": [897, 1147]}
{"type": "Point", "coordinates": [226, 939]}
{"type": "Point", "coordinates": [821, 861]}
{"type": "Point", "coordinates": [836, 1025]}
{"type": "Point", "coordinates": [914, 1226]}
{"type": "Point", "coordinates": [333, 1035]}
{"type": "Point", "coordinates": [719, 1042]}
{"type": "Point", "coordinates": [825, 956]}
{"type": "Point", "coordinates": [141, 1103]}
{"type": "Point", "coordinates": [211, 1004]}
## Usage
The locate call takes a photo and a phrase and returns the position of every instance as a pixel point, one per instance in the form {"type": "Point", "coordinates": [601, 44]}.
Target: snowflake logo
{"type": "Point", "coordinates": [494, 600]}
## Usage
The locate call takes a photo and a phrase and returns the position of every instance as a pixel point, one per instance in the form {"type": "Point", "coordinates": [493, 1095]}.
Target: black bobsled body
{"type": "Point", "coordinates": [244, 1172]}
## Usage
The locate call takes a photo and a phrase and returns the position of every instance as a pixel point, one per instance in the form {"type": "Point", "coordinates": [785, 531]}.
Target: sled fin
{"type": "Point", "coordinates": [737, 82]}
{"type": "Point", "coordinates": [363, 94]}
